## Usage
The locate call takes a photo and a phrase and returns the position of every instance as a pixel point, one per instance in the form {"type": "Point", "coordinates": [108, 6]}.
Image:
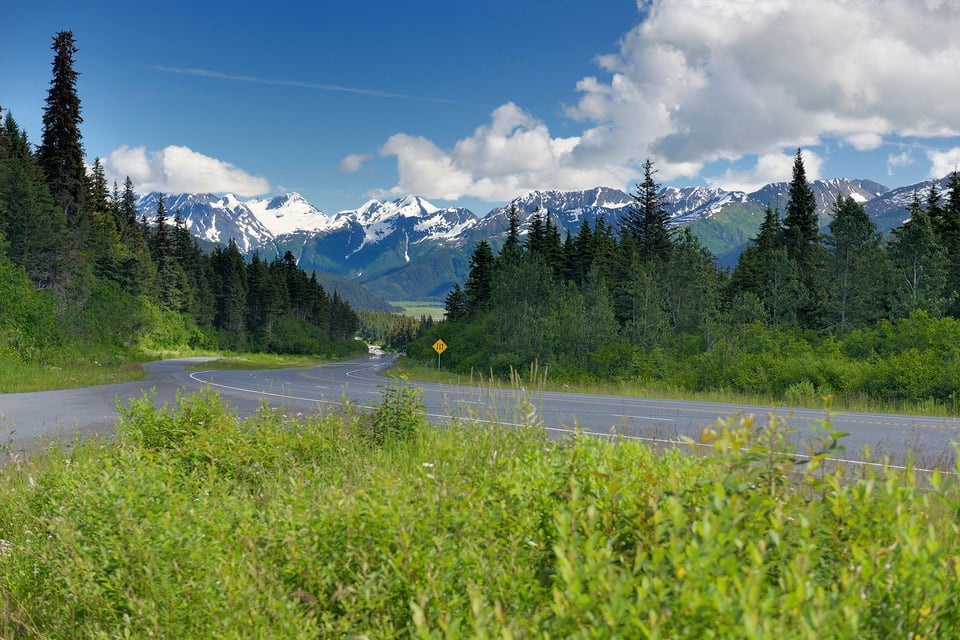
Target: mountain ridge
{"type": "Point", "coordinates": [409, 248]}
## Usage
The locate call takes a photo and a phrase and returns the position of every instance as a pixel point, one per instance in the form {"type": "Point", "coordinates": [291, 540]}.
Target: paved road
{"type": "Point", "coordinates": [64, 413]}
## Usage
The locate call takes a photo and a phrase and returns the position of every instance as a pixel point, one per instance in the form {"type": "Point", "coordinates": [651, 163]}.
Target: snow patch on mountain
{"type": "Point", "coordinates": [289, 213]}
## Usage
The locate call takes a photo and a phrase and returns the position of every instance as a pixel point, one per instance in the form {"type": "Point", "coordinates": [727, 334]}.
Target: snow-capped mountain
{"type": "Point", "coordinates": [216, 219]}
{"type": "Point", "coordinates": [287, 213]}
{"type": "Point", "coordinates": [411, 249]}
{"type": "Point", "coordinates": [892, 208]}
{"type": "Point", "coordinates": [416, 219]}
{"type": "Point", "coordinates": [777, 194]}
{"type": "Point", "coordinates": [567, 209]}
{"type": "Point", "coordinates": [381, 237]}
{"type": "Point", "coordinates": [689, 204]}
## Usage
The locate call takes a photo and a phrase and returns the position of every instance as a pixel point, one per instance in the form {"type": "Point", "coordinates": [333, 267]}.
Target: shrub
{"type": "Point", "coordinates": [400, 413]}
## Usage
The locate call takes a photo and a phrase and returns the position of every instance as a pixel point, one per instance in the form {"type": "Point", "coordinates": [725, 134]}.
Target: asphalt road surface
{"type": "Point", "coordinates": [32, 418]}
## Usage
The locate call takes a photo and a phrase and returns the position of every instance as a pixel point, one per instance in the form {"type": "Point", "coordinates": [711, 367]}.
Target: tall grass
{"type": "Point", "coordinates": [197, 524]}
{"type": "Point", "coordinates": [18, 377]}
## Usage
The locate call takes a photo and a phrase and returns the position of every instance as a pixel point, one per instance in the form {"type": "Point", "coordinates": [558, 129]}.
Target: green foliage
{"type": "Point", "coordinates": [28, 329]}
{"type": "Point", "coordinates": [400, 415]}
{"type": "Point", "coordinates": [391, 330]}
{"type": "Point", "coordinates": [197, 524]}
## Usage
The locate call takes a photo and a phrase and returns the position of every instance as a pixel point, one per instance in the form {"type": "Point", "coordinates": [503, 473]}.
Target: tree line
{"type": "Point", "coordinates": [823, 311]}
{"type": "Point", "coordinates": [128, 281]}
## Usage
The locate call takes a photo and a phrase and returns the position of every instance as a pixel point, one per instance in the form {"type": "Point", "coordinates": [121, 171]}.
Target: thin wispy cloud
{"type": "Point", "coordinates": [375, 93]}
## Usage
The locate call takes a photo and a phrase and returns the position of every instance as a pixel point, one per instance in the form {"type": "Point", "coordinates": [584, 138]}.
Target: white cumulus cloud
{"type": "Point", "coordinates": [727, 79]}
{"type": "Point", "coordinates": [902, 159]}
{"type": "Point", "coordinates": [701, 81]}
{"type": "Point", "coordinates": [353, 162]}
{"type": "Point", "coordinates": [514, 153]}
{"type": "Point", "coordinates": [943, 162]}
{"type": "Point", "coordinates": [771, 167]}
{"type": "Point", "coordinates": [177, 169]}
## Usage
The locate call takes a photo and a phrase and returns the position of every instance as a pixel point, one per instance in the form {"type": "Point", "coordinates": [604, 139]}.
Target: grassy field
{"type": "Point", "coordinates": [416, 308]}
{"type": "Point", "coordinates": [350, 525]}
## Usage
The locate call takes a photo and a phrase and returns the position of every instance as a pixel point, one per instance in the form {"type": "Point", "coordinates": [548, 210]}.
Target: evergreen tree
{"type": "Point", "coordinates": [783, 290]}
{"type": "Point", "coordinates": [172, 285]}
{"type": "Point", "coordinates": [749, 276]}
{"type": "Point", "coordinates": [646, 220]}
{"type": "Point", "coordinates": [61, 149]}
{"type": "Point", "coordinates": [344, 321]}
{"type": "Point", "coordinates": [855, 267]}
{"type": "Point", "coordinates": [230, 291]}
{"type": "Point", "coordinates": [511, 246]}
{"type": "Point", "coordinates": [479, 282]}
{"type": "Point", "coordinates": [801, 236]}
{"type": "Point", "coordinates": [935, 207]}
{"type": "Point", "coordinates": [537, 236]}
{"type": "Point", "coordinates": [34, 227]}
{"type": "Point", "coordinates": [919, 266]}
{"type": "Point", "coordinates": [691, 284]}
{"type": "Point", "coordinates": [647, 319]}
{"type": "Point", "coordinates": [98, 193]}
{"type": "Point", "coordinates": [580, 253]}
{"type": "Point", "coordinates": [552, 246]}
{"type": "Point", "coordinates": [140, 271]}
{"type": "Point", "coordinates": [455, 304]}
{"type": "Point", "coordinates": [605, 251]}
{"type": "Point", "coordinates": [128, 205]}
{"type": "Point", "coordinates": [267, 298]}
{"type": "Point", "coordinates": [948, 236]}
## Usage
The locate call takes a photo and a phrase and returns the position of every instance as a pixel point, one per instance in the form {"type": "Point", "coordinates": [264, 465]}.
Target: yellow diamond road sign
{"type": "Point", "coordinates": [439, 346]}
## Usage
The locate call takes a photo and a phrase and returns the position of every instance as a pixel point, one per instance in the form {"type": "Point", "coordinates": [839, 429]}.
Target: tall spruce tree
{"type": "Point", "coordinates": [455, 304]}
{"type": "Point", "coordinates": [511, 246]}
{"type": "Point", "coordinates": [98, 192]}
{"type": "Point", "coordinates": [479, 283]}
{"type": "Point", "coordinates": [646, 220]}
{"type": "Point", "coordinates": [61, 149]}
{"type": "Point", "coordinates": [801, 237]}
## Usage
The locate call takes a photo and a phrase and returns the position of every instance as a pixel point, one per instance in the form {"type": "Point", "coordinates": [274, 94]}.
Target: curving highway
{"type": "Point", "coordinates": [29, 419]}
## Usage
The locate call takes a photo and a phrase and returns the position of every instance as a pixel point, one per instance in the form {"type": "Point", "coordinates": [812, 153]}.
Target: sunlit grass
{"type": "Point", "coordinates": [18, 377]}
{"type": "Point", "coordinates": [538, 378]}
{"type": "Point", "coordinates": [193, 523]}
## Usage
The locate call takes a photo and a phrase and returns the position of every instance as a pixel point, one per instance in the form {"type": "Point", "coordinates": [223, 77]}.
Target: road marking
{"type": "Point", "coordinates": [620, 415]}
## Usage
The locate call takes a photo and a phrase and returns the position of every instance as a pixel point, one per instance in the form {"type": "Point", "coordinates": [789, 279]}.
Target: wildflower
{"type": "Point", "coordinates": [5, 548]}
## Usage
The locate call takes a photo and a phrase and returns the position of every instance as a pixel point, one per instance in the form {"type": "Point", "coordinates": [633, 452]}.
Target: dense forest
{"type": "Point", "coordinates": [80, 273]}
{"type": "Point", "coordinates": [805, 312]}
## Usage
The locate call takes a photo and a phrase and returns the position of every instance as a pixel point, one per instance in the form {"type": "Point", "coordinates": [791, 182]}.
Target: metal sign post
{"type": "Point", "coordinates": [439, 346]}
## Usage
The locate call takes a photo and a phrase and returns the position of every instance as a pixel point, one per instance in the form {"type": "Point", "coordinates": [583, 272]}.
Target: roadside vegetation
{"type": "Point", "coordinates": [89, 289]}
{"type": "Point", "coordinates": [908, 366]}
{"type": "Point", "coordinates": [349, 524]}
{"type": "Point", "coordinates": [806, 313]}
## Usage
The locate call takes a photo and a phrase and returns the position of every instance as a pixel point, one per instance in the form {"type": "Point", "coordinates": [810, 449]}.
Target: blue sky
{"type": "Point", "coordinates": [474, 103]}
